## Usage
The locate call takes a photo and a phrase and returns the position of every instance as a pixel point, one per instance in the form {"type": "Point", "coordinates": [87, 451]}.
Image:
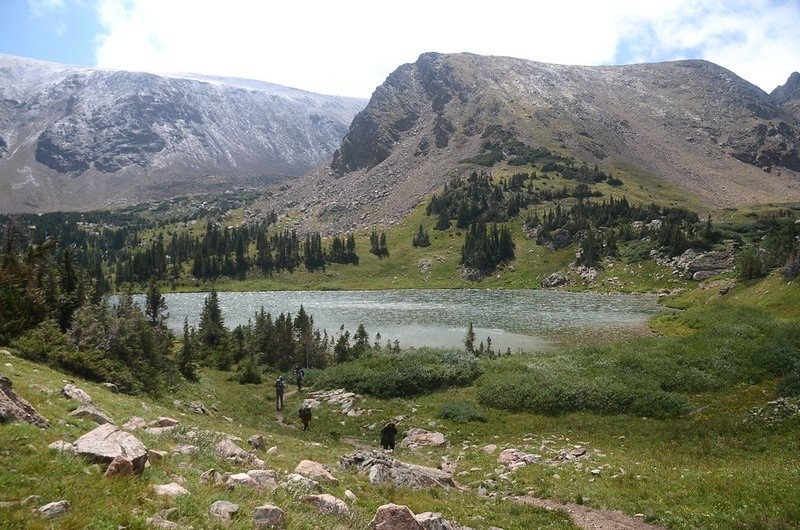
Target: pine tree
{"type": "Point", "coordinates": [469, 341]}
{"type": "Point", "coordinates": [186, 365]}
{"type": "Point", "coordinates": [155, 305]}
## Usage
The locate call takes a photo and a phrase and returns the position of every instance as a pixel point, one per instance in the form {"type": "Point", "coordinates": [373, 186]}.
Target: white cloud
{"type": "Point", "coordinates": [349, 47]}
{"type": "Point", "coordinates": [42, 7]}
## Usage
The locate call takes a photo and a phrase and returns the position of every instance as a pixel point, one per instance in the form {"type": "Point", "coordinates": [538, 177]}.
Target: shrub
{"type": "Point", "coordinates": [460, 411]}
{"type": "Point", "coordinates": [789, 386]}
{"type": "Point", "coordinates": [405, 374]}
{"type": "Point", "coordinates": [636, 251]}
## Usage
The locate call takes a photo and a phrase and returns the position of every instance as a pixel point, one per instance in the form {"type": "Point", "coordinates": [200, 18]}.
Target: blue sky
{"type": "Point", "coordinates": [349, 47]}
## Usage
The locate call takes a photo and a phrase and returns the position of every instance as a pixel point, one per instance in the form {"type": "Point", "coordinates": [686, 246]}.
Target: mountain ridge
{"type": "Point", "coordinates": [78, 138]}
{"type": "Point", "coordinates": [690, 124]}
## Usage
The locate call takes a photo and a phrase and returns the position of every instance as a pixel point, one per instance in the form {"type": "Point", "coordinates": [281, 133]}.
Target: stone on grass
{"type": "Point", "coordinates": [54, 509]}
{"type": "Point", "coordinates": [154, 455]}
{"type": "Point", "coordinates": [107, 442]}
{"type": "Point", "coordinates": [73, 392]}
{"type": "Point", "coordinates": [326, 503]}
{"type": "Point", "coordinates": [268, 516]}
{"type": "Point", "coordinates": [227, 449]}
{"type": "Point", "coordinates": [134, 423]}
{"type": "Point", "coordinates": [173, 489]}
{"type": "Point", "coordinates": [436, 521]}
{"type": "Point", "coordinates": [512, 457]}
{"type": "Point", "coordinates": [160, 522]}
{"type": "Point", "coordinates": [256, 441]}
{"type": "Point", "coordinates": [162, 421]}
{"type": "Point", "coordinates": [315, 471]}
{"type": "Point", "coordinates": [394, 517]}
{"type": "Point", "coordinates": [223, 510]}
{"type": "Point", "coordinates": [212, 476]}
{"type": "Point", "coordinates": [489, 449]}
{"type": "Point", "coordinates": [266, 478]}
{"type": "Point", "coordinates": [62, 447]}
{"type": "Point", "coordinates": [272, 451]}
{"type": "Point", "coordinates": [198, 408]}
{"type": "Point", "coordinates": [241, 479]}
{"type": "Point", "coordinates": [185, 450]}
{"type": "Point", "coordinates": [111, 387]}
{"type": "Point", "coordinates": [119, 467]}
{"type": "Point", "coordinates": [416, 438]}
{"type": "Point", "coordinates": [383, 469]}
{"type": "Point", "coordinates": [350, 496]}
{"type": "Point", "coordinates": [15, 408]}
{"type": "Point", "coordinates": [92, 413]}
{"type": "Point", "coordinates": [300, 483]}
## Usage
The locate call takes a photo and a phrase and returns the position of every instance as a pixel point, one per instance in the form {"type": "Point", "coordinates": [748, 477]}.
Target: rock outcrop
{"type": "Point", "coordinates": [15, 408]}
{"type": "Point", "coordinates": [107, 442]}
{"type": "Point", "coordinates": [383, 469]}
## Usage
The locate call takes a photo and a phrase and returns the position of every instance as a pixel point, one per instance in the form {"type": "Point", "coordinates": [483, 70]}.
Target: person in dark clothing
{"type": "Point", "coordinates": [388, 435]}
{"type": "Point", "coordinates": [305, 416]}
{"type": "Point", "coordinates": [279, 388]}
{"type": "Point", "coordinates": [299, 375]}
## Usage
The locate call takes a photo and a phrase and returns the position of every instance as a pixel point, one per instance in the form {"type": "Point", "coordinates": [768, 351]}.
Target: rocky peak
{"type": "Point", "coordinates": [788, 91]}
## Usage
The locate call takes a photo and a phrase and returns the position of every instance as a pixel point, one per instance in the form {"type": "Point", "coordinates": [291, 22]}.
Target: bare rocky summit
{"type": "Point", "coordinates": [76, 138]}
{"type": "Point", "coordinates": [691, 123]}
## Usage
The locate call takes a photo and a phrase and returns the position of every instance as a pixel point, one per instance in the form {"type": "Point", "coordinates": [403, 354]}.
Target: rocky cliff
{"type": "Point", "coordinates": [690, 123]}
{"type": "Point", "coordinates": [77, 138]}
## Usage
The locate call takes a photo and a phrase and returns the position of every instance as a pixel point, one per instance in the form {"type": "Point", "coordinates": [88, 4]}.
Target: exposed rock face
{"type": "Point", "coordinates": [416, 438]}
{"type": "Point", "coordinates": [385, 469]}
{"type": "Point", "coordinates": [75, 137]}
{"type": "Point", "coordinates": [788, 95]}
{"type": "Point", "coordinates": [15, 408]}
{"type": "Point", "coordinates": [107, 442]}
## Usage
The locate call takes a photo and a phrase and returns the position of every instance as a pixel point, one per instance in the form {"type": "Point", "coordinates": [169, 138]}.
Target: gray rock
{"type": "Point", "coordinates": [436, 521]}
{"type": "Point", "coordinates": [119, 467]}
{"type": "Point", "coordinates": [107, 442]}
{"type": "Point", "coordinates": [326, 503]}
{"type": "Point", "coordinates": [256, 441]}
{"type": "Point", "coordinates": [268, 516]}
{"type": "Point", "coordinates": [173, 489]}
{"type": "Point", "coordinates": [265, 478]}
{"type": "Point", "coordinates": [394, 517]}
{"type": "Point", "coordinates": [162, 421]}
{"type": "Point", "coordinates": [557, 279]}
{"type": "Point", "coordinates": [223, 510]}
{"type": "Point", "coordinates": [241, 479]}
{"type": "Point", "coordinates": [161, 523]}
{"type": "Point", "coordinates": [154, 455]}
{"type": "Point", "coordinates": [62, 447]}
{"type": "Point", "coordinates": [90, 412]}
{"type": "Point", "coordinates": [416, 438]}
{"type": "Point", "coordinates": [134, 423]}
{"type": "Point", "coordinates": [112, 387]}
{"type": "Point", "coordinates": [315, 471]}
{"type": "Point", "coordinates": [54, 509]}
{"type": "Point", "coordinates": [383, 469]}
{"type": "Point", "coordinates": [73, 392]}
{"type": "Point", "coordinates": [185, 450]}
{"type": "Point", "coordinates": [297, 482]}
{"type": "Point", "coordinates": [515, 458]}
{"type": "Point", "coordinates": [198, 408]}
{"type": "Point", "coordinates": [15, 408]}
{"type": "Point", "coordinates": [212, 476]}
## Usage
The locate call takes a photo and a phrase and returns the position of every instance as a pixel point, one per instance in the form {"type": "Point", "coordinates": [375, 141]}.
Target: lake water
{"type": "Point", "coordinates": [518, 319]}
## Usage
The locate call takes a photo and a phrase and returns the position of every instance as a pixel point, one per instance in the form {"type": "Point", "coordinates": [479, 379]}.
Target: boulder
{"type": "Point", "coordinates": [154, 455]}
{"type": "Point", "coordinates": [350, 496]}
{"type": "Point", "coordinates": [223, 510]}
{"type": "Point", "coordinates": [394, 517]}
{"type": "Point", "coordinates": [15, 408]}
{"type": "Point", "coordinates": [227, 449]}
{"type": "Point", "coordinates": [173, 489]}
{"type": "Point", "coordinates": [160, 431]}
{"type": "Point", "coordinates": [119, 467]}
{"type": "Point", "coordinates": [268, 516]}
{"type": "Point", "coordinates": [383, 469]}
{"type": "Point", "coordinates": [107, 442]}
{"type": "Point", "coordinates": [272, 451]}
{"type": "Point", "coordinates": [256, 441]}
{"type": "Point", "coordinates": [436, 521]}
{"type": "Point", "coordinates": [416, 438]}
{"type": "Point", "coordinates": [315, 471]}
{"type": "Point", "coordinates": [326, 503]}
{"type": "Point", "coordinates": [556, 279]}
{"type": "Point", "coordinates": [62, 447]}
{"type": "Point", "coordinates": [241, 479]}
{"type": "Point", "coordinates": [90, 412]}
{"type": "Point", "coordinates": [198, 408]}
{"type": "Point", "coordinates": [489, 449]}
{"type": "Point", "coordinates": [73, 392]}
{"type": "Point", "coordinates": [135, 423]}
{"type": "Point", "coordinates": [54, 509]}
{"type": "Point", "coordinates": [265, 478]}
{"type": "Point", "coordinates": [185, 450]}
{"type": "Point", "coordinates": [512, 457]}
{"type": "Point", "coordinates": [297, 482]}
{"type": "Point", "coordinates": [162, 421]}
{"type": "Point", "coordinates": [212, 476]}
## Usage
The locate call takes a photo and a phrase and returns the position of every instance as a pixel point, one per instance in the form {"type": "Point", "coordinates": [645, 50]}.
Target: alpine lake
{"type": "Point", "coordinates": [516, 320]}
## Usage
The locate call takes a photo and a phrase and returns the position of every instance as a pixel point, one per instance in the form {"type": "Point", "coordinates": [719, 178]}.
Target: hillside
{"type": "Point", "coordinates": [684, 130]}
{"type": "Point", "coordinates": [77, 138]}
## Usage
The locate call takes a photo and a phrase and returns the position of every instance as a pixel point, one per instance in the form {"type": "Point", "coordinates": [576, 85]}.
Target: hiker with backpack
{"type": "Point", "coordinates": [280, 386]}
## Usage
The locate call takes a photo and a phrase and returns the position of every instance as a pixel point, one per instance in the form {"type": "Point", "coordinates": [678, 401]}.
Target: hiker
{"type": "Point", "coordinates": [299, 375]}
{"type": "Point", "coordinates": [388, 434]}
{"type": "Point", "coordinates": [305, 415]}
{"type": "Point", "coordinates": [279, 387]}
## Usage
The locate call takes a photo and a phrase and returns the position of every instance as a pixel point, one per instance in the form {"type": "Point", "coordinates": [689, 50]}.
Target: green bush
{"type": "Point", "coordinates": [789, 386]}
{"type": "Point", "coordinates": [460, 411]}
{"type": "Point", "coordinates": [403, 374]}
{"type": "Point", "coordinates": [636, 251]}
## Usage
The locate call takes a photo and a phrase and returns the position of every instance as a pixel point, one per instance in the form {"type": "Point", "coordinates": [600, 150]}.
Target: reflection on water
{"type": "Point", "coordinates": [518, 319]}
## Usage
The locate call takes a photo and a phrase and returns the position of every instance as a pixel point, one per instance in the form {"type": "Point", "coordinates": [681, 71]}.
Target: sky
{"type": "Point", "coordinates": [348, 47]}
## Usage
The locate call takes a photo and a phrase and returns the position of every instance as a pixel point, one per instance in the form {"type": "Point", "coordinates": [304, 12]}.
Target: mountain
{"type": "Point", "coordinates": [691, 125]}
{"type": "Point", "coordinates": [788, 95]}
{"type": "Point", "coordinates": [78, 138]}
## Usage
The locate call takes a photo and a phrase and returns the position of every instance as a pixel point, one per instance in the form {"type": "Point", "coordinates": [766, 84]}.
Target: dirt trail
{"type": "Point", "coordinates": [591, 518]}
{"type": "Point", "coordinates": [279, 413]}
